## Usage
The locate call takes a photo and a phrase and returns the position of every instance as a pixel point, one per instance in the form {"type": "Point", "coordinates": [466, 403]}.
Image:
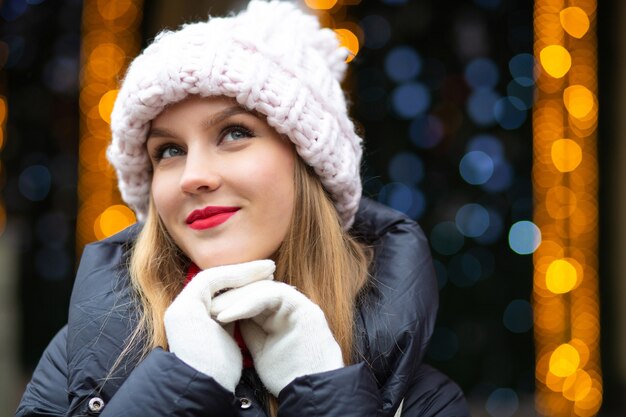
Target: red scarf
{"type": "Point", "coordinates": [247, 357]}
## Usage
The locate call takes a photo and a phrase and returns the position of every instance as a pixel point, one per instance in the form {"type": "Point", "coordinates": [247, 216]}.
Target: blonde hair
{"type": "Point", "coordinates": [331, 274]}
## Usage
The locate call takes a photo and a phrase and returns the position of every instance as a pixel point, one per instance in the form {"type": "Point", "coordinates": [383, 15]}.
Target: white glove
{"type": "Point", "coordinates": [288, 335]}
{"type": "Point", "coordinates": [195, 337]}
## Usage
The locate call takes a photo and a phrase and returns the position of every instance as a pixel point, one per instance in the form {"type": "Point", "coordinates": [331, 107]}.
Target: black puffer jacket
{"type": "Point", "coordinates": [394, 323]}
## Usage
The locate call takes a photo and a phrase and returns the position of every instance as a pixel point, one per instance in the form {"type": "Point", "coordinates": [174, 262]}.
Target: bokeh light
{"type": "Point", "coordinates": [472, 220]}
{"type": "Point", "coordinates": [481, 105]}
{"type": "Point", "coordinates": [556, 60]}
{"type": "Point", "coordinates": [561, 276]}
{"type": "Point", "coordinates": [522, 69]}
{"type": "Point", "coordinates": [566, 155]}
{"type": "Point", "coordinates": [503, 402]}
{"type": "Point", "coordinates": [482, 73]}
{"type": "Point", "coordinates": [564, 360]}
{"type": "Point", "coordinates": [35, 182]}
{"type": "Point", "coordinates": [410, 100]}
{"type": "Point", "coordinates": [446, 239]}
{"type": "Point", "coordinates": [579, 101]}
{"type": "Point", "coordinates": [405, 198]}
{"type": "Point", "coordinates": [349, 40]}
{"type": "Point", "coordinates": [321, 4]}
{"type": "Point", "coordinates": [575, 21]}
{"type": "Point", "coordinates": [105, 106]}
{"type": "Point", "coordinates": [476, 167]}
{"type": "Point", "coordinates": [524, 237]}
{"type": "Point", "coordinates": [518, 317]}
{"type": "Point", "coordinates": [403, 63]}
{"type": "Point", "coordinates": [113, 220]}
{"type": "Point", "coordinates": [510, 112]}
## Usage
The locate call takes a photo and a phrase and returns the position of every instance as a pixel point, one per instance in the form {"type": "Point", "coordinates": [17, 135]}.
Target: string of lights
{"type": "Point", "coordinates": [110, 38]}
{"type": "Point", "coordinates": [565, 187]}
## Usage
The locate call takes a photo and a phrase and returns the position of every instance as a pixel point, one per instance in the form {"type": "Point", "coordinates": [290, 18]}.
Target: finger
{"type": "Point", "coordinates": [237, 275]}
{"type": "Point", "coordinates": [247, 302]}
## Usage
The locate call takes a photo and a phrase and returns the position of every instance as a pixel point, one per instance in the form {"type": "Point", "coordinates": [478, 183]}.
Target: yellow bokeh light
{"type": "Point", "coordinates": [556, 60]}
{"type": "Point", "coordinates": [561, 276]}
{"type": "Point", "coordinates": [105, 106]}
{"type": "Point", "coordinates": [113, 220]}
{"type": "Point", "coordinates": [564, 360]}
{"type": "Point", "coordinates": [566, 155]}
{"type": "Point", "coordinates": [575, 21]}
{"type": "Point", "coordinates": [579, 101]}
{"type": "Point", "coordinates": [348, 40]}
{"type": "Point", "coordinates": [321, 4]}
{"type": "Point", "coordinates": [561, 202]}
{"type": "Point", "coordinates": [111, 10]}
{"type": "Point", "coordinates": [3, 110]}
{"type": "Point", "coordinates": [577, 385]}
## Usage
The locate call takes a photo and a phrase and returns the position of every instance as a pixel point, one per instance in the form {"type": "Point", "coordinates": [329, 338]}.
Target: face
{"type": "Point", "coordinates": [223, 181]}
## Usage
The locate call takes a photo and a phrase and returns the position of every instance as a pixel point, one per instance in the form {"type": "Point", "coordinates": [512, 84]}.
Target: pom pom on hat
{"type": "Point", "coordinates": [273, 59]}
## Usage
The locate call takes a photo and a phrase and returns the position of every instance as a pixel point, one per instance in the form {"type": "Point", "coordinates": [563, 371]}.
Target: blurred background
{"type": "Point", "coordinates": [494, 123]}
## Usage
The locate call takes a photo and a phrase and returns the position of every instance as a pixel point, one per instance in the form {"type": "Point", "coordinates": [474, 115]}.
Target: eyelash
{"type": "Point", "coordinates": [157, 154]}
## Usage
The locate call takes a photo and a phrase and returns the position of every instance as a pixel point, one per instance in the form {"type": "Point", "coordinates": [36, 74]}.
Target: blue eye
{"type": "Point", "coordinates": [235, 133]}
{"type": "Point", "coordinates": [167, 151]}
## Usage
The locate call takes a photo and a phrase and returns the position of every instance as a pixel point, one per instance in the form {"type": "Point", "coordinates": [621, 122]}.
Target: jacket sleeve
{"type": "Point", "coordinates": [163, 385]}
{"type": "Point", "coordinates": [345, 392]}
{"type": "Point", "coordinates": [46, 393]}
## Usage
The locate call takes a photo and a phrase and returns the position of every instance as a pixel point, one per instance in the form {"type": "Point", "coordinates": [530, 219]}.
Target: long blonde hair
{"type": "Point", "coordinates": [316, 256]}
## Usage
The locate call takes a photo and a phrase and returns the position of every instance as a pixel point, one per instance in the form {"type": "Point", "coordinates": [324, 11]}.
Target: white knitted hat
{"type": "Point", "coordinates": [273, 59]}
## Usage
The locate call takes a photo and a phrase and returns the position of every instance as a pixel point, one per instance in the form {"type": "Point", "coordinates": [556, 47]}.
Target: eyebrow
{"type": "Point", "coordinates": [206, 124]}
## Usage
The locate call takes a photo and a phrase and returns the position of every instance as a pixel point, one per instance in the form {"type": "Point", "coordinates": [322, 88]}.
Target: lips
{"type": "Point", "coordinates": [210, 216]}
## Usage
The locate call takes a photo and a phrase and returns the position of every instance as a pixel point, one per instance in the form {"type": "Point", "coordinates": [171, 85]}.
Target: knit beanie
{"type": "Point", "coordinates": [273, 59]}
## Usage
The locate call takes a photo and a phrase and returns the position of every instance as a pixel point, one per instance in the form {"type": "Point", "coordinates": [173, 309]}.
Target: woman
{"type": "Point", "coordinates": [245, 290]}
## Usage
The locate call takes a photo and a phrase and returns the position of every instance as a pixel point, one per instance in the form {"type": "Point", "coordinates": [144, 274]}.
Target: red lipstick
{"type": "Point", "coordinates": [210, 216]}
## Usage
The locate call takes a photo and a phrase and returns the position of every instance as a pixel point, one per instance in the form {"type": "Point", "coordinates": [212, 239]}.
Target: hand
{"type": "Point", "coordinates": [195, 337]}
{"type": "Point", "coordinates": [287, 333]}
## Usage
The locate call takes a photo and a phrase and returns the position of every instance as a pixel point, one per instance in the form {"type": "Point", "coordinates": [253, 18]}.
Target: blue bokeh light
{"type": "Point", "coordinates": [518, 316]}
{"type": "Point", "coordinates": [446, 239]}
{"type": "Point", "coordinates": [523, 66]}
{"type": "Point", "coordinates": [482, 73]}
{"type": "Point", "coordinates": [407, 199]}
{"type": "Point", "coordinates": [476, 167]}
{"type": "Point", "coordinates": [406, 167]}
{"type": "Point", "coordinates": [503, 402]}
{"type": "Point", "coordinates": [403, 64]}
{"type": "Point", "coordinates": [410, 99]}
{"type": "Point", "coordinates": [12, 9]}
{"type": "Point", "coordinates": [34, 182]}
{"type": "Point", "coordinates": [495, 229]}
{"type": "Point", "coordinates": [472, 220]}
{"type": "Point", "coordinates": [488, 144]}
{"type": "Point", "coordinates": [426, 131]}
{"type": "Point", "coordinates": [509, 112]}
{"type": "Point", "coordinates": [52, 229]}
{"type": "Point", "coordinates": [377, 31]}
{"type": "Point", "coordinates": [524, 237]}
{"type": "Point", "coordinates": [480, 106]}
{"type": "Point", "coordinates": [396, 2]}
{"type": "Point", "coordinates": [525, 94]}
{"type": "Point", "coordinates": [444, 344]}
{"type": "Point", "coordinates": [501, 179]}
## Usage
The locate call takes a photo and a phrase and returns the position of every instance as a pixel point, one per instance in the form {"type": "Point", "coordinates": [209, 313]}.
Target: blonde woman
{"type": "Point", "coordinates": [258, 281]}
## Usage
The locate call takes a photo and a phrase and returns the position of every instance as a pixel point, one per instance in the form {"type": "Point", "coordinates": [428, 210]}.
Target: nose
{"type": "Point", "coordinates": [201, 174]}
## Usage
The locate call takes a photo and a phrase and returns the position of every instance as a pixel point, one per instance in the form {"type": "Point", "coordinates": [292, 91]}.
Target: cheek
{"type": "Point", "coordinates": [161, 189]}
